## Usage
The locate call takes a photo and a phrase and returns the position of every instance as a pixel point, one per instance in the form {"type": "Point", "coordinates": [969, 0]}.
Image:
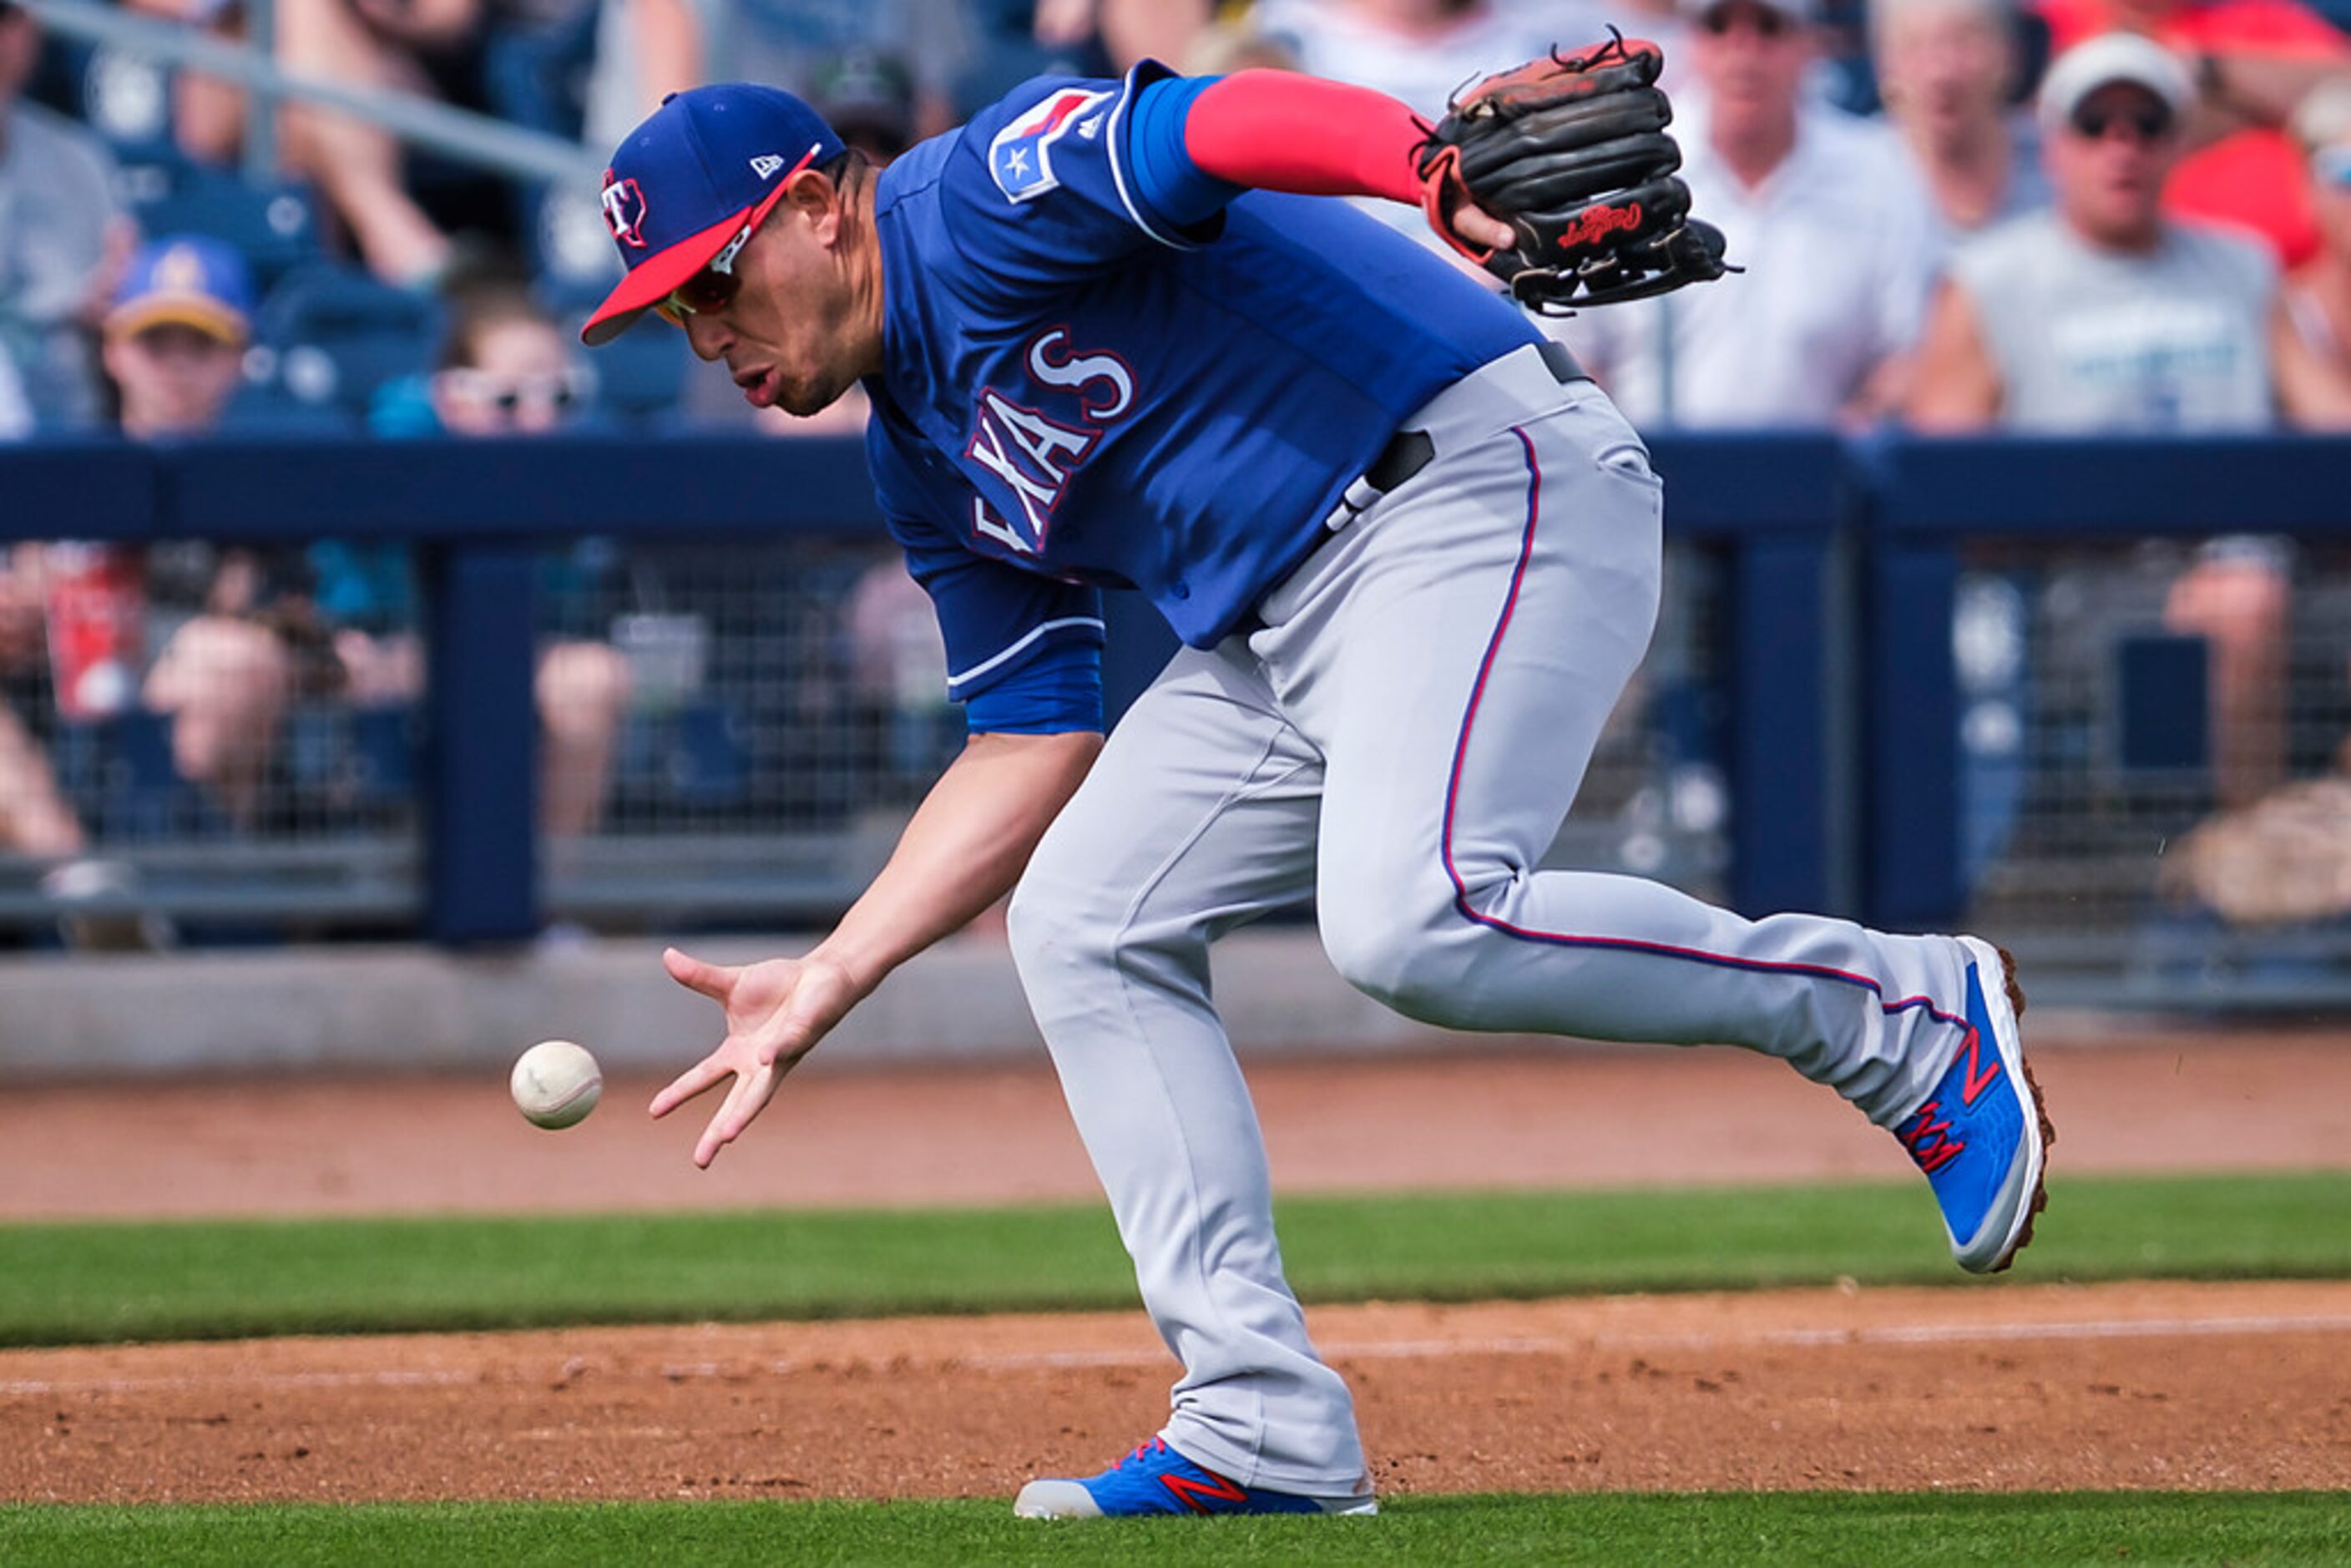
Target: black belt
{"type": "Point", "coordinates": [1406, 454]}
{"type": "Point", "coordinates": [1409, 452]}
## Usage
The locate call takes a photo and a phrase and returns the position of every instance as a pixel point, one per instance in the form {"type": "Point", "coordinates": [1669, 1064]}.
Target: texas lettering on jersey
{"type": "Point", "coordinates": [1034, 453]}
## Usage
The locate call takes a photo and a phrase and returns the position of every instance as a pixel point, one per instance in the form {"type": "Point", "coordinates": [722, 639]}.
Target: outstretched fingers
{"type": "Point", "coordinates": [716, 981]}
{"type": "Point", "coordinates": [690, 1082]}
{"type": "Point", "coordinates": [749, 1096]}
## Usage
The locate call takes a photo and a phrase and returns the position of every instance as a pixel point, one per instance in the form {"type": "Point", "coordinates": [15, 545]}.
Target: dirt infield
{"type": "Point", "coordinates": [2187, 1386]}
{"type": "Point", "coordinates": [2026, 1387]}
{"type": "Point", "coordinates": [1578, 1117]}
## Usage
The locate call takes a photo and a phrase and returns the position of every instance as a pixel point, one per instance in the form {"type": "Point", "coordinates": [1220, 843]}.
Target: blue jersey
{"type": "Point", "coordinates": [1079, 393]}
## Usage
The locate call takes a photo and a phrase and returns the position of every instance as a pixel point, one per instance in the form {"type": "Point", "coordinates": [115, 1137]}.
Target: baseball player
{"type": "Point", "coordinates": [1112, 337]}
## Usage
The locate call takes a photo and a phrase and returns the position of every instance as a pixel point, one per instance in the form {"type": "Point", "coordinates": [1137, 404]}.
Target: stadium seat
{"type": "Point", "coordinates": [337, 335]}
{"type": "Point", "coordinates": [346, 763]}
{"type": "Point", "coordinates": [120, 775]}
{"type": "Point", "coordinates": [2163, 719]}
{"type": "Point", "coordinates": [122, 95]}
{"type": "Point", "coordinates": [384, 744]}
{"type": "Point", "coordinates": [276, 227]}
{"type": "Point", "coordinates": [261, 408]}
{"type": "Point", "coordinates": [709, 764]}
{"type": "Point", "coordinates": [696, 757]}
{"type": "Point", "coordinates": [534, 76]}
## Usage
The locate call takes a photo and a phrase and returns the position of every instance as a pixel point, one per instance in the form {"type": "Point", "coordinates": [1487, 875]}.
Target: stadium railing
{"type": "Point", "coordinates": [1741, 709]}
{"type": "Point", "coordinates": [1804, 734]}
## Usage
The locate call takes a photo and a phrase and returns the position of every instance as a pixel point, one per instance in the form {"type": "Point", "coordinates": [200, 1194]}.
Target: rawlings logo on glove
{"type": "Point", "coordinates": [1596, 224]}
{"type": "Point", "coordinates": [1571, 152]}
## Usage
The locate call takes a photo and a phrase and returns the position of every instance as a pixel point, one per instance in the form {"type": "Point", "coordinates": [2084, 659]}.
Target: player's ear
{"type": "Point", "coordinates": [816, 199]}
{"type": "Point", "coordinates": [814, 191]}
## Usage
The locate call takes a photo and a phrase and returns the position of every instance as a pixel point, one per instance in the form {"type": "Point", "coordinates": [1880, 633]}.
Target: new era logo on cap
{"type": "Point", "coordinates": [684, 183]}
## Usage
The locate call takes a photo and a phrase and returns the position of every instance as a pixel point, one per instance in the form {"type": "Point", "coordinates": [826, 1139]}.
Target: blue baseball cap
{"type": "Point", "coordinates": [185, 281]}
{"type": "Point", "coordinates": [691, 181]}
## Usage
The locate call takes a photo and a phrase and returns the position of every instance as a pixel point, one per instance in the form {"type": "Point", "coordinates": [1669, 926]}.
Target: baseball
{"type": "Point", "coordinates": [555, 1083]}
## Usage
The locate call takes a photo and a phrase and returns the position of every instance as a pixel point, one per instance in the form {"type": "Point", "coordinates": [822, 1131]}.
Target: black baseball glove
{"type": "Point", "coordinates": [1571, 152]}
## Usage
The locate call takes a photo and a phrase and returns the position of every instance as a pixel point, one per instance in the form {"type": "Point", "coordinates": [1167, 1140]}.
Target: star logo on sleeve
{"type": "Point", "coordinates": [1021, 156]}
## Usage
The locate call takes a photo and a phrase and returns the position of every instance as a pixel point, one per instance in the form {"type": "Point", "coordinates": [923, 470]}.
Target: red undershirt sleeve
{"type": "Point", "coordinates": [1278, 131]}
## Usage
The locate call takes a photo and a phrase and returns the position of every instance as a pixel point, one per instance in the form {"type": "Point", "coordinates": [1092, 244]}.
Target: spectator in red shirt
{"type": "Point", "coordinates": [2253, 60]}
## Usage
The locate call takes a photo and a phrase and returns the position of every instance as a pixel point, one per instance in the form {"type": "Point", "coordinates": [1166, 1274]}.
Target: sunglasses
{"type": "Point", "coordinates": [552, 393]}
{"type": "Point", "coordinates": [715, 286]}
{"type": "Point", "coordinates": [2147, 123]}
{"type": "Point", "coordinates": [1766, 21]}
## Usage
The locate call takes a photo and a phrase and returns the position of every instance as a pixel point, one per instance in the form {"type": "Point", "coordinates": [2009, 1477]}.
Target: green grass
{"type": "Point", "coordinates": [75, 1283]}
{"type": "Point", "coordinates": [1808, 1529]}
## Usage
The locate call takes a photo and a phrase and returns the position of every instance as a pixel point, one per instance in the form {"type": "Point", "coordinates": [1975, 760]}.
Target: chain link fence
{"type": "Point", "coordinates": [2152, 738]}
{"type": "Point", "coordinates": [226, 741]}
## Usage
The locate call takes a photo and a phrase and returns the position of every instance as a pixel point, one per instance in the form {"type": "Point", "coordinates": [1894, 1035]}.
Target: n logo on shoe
{"type": "Point", "coordinates": [1972, 1083]}
{"type": "Point", "coordinates": [1195, 1495]}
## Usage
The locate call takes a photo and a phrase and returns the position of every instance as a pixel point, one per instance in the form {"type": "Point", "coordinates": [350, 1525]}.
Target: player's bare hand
{"type": "Point", "coordinates": [1480, 227]}
{"type": "Point", "coordinates": [775, 1012]}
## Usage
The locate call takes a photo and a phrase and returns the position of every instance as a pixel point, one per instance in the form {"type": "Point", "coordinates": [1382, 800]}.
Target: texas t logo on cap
{"type": "Point", "coordinates": [691, 182]}
{"type": "Point", "coordinates": [624, 210]}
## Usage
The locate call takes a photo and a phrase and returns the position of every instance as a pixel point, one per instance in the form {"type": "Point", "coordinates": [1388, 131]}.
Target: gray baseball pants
{"type": "Point", "coordinates": [1402, 738]}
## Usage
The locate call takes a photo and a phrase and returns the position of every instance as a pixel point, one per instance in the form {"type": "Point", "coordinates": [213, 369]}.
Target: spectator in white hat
{"type": "Point", "coordinates": [2102, 314]}
{"type": "Point", "coordinates": [1823, 210]}
{"type": "Point", "coordinates": [2251, 61]}
{"type": "Point", "coordinates": [2105, 316]}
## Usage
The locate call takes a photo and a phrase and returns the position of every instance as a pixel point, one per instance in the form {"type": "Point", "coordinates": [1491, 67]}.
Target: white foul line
{"type": "Point", "coordinates": [1585, 1345]}
{"type": "Point", "coordinates": [1382, 1350]}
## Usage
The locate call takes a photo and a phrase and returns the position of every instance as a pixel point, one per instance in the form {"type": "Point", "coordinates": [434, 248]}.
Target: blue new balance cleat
{"type": "Point", "coordinates": [1156, 1478]}
{"type": "Point", "coordinates": [1982, 1137]}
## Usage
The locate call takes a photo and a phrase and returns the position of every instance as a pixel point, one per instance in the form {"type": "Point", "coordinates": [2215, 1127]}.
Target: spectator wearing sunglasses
{"type": "Point", "coordinates": [2311, 335]}
{"type": "Point", "coordinates": [1824, 211]}
{"type": "Point", "coordinates": [505, 370]}
{"type": "Point", "coordinates": [2104, 313]}
{"type": "Point", "coordinates": [2250, 61]}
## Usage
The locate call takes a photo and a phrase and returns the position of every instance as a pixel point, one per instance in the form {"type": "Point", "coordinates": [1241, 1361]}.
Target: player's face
{"type": "Point", "coordinates": [2108, 161]}
{"type": "Point", "coordinates": [1752, 58]}
{"type": "Point", "coordinates": [795, 335]}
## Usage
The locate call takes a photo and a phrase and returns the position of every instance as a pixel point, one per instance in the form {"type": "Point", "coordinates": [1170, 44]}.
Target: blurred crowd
{"type": "Point", "coordinates": [2050, 216]}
